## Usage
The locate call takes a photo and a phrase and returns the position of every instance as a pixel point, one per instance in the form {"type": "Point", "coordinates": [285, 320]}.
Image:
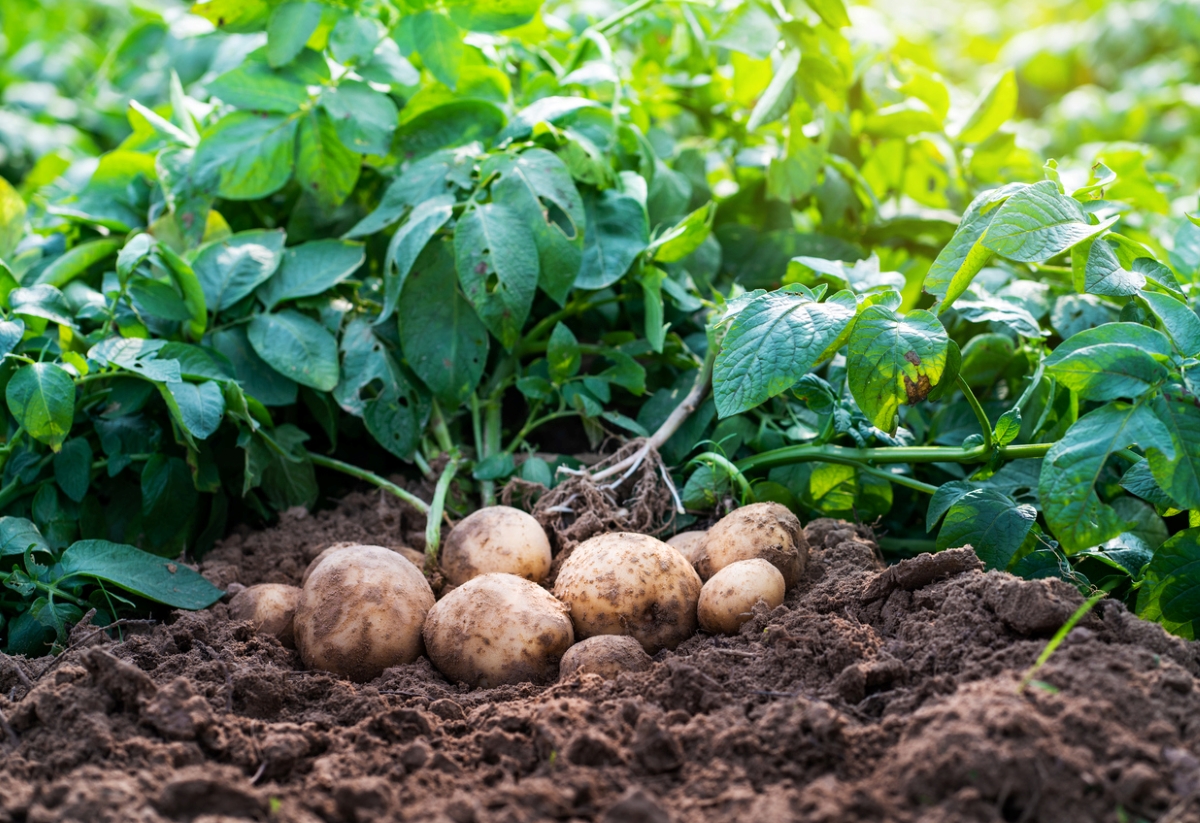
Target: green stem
{"type": "Point", "coordinates": [887, 454]}
{"type": "Point", "coordinates": [980, 414]}
{"type": "Point", "coordinates": [49, 588]}
{"type": "Point", "coordinates": [606, 25]}
{"type": "Point", "coordinates": [547, 324]}
{"type": "Point", "coordinates": [491, 443]}
{"type": "Point", "coordinates": [902, 545]}
{"type": "Point", "coordinates": [440, 431]}
{"type": "Point", "coordinates": [362, 474]}
{"type": "Point", "coordinates": [533, 424]}
{"type": "Point", "coordinates": [433, 523]}
{"type": "Point", "coordinates": [719, 460]}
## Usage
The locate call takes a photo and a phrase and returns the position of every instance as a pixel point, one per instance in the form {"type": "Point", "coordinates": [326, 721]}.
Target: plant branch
{"type": "Point", "coordinates": [433, 524]}
{"type": "Point", "coordinates": [714, 460]}
{"type": "Point", "coordinates": [888, 454]}
{"type": "Point", "coordinates": [362, 474]}
{"type": "Point", "coordinates": [980, 414]}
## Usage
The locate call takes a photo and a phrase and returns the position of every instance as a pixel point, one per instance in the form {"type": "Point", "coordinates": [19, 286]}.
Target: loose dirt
{"type": "Point", "coordinates": [868, 696]}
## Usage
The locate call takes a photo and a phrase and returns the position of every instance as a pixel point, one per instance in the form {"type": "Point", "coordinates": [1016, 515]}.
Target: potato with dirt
{"type": "Point", "coordinates": [411, 555]}
{"type": "Point", "coordinates": [690, 545]}
{"type": "Point", "coordinates": [496, 539]}
{"type": "Point", "coordinates": [729, 596]}
{"type": "Point", "coordinates": [630, 584]}
{"type": "Point", "coordinates": [496, 629]}
{"type": "Point", "coordinates": [768, 531]}
{"type": "Point", "coordinates": [362, 610]}
{"type": "Point", "coordinates": [606, 655]}
{"type": "Point", "coordinates": [271, 607]}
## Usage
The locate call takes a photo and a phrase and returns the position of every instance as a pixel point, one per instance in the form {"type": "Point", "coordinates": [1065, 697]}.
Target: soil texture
{"type": "Point", "coordinates": [870, 695]}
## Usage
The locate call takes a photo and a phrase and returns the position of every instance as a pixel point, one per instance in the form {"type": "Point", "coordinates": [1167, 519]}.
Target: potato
{"type": "Point", "coordinates": [412, 555]}
{"type": "Point", "coordinates": [690, 545]}
{"type": "Point", "coordinates": [360, 611]}
{"type": "Point", "coordinates": [270, 607]}
{"type": "Point", "coordinates": [606, 655]}
{"type": "Point", "coordinates": [630, 584]}
{"type": "Point", "coordinates": [496, 539]}
{"type": "Point", "coordinates": [496, 629]}
{"type": "Point", "coordinates": [730, 594]}
{"type": "Point", "coordinates": [764, 530]}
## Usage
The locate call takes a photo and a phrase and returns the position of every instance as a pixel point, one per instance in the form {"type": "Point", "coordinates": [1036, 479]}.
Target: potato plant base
{"type": "Point", "coordinates": [866, 697]}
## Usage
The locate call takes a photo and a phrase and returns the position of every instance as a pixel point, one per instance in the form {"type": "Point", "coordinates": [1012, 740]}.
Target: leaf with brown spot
{"type": "Point", "coordinates": [895, 360]}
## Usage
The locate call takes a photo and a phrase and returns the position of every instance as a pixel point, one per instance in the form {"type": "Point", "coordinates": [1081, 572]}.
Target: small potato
{"type": "Point", "coordinates": [764, 530]}
{"type": "Point", "coordinates": [270, 607]}
{"type": "Point", "coordinates": [496, 629]}
{"type": "Point", "coordinates": [690, 545]}
{"type": "Point", "coordinates": [730, 594]}
{"type": "Point", "coordinates": [362, 610]}
{"type": "Point", "coordinates": [496, 539]}
{"type": "Point", "coordinates": [606, 655]}
{"type": "Point", "coordinates": [411, 555]}
{"type": "Point", "coordinates": [630, 584]}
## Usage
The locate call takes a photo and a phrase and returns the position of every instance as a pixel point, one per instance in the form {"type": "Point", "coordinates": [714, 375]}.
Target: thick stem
{"type": "Point", "coordinates": [433, 523]}
{"type": "Point", "coordinates": [362, 474]}
{"type": "Point", "coordinates": [719, 460]}
{"type": "Point", "coordinates": [440, 431]}
{"type": "Point", "coordinates": [491, 445]}
{"type": "Point", "coordinates": [887, 454]}
{"type": "Point", "coordinates": [980, 414]}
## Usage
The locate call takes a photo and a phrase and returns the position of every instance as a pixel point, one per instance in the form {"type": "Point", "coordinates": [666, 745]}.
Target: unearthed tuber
{"type": "Point", "coordinates": [767, 531]}
{"type": "Point", "coordinates": [606, 655]}
{"type": "Point", "coordinates": [270, 607]}
{"type": "Point", "coordinates": [496, 539]}
{"type": "Point", "coordinates": [729, 595]}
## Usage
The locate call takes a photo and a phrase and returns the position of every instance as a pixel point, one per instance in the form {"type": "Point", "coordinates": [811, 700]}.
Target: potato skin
{"type": "Point", "coordinates": [606, 655]}
{"type": "Point", "coordinates": [496, 539]}
{"type": "Point", "coordinates": [270, 607]}
{"type": "Point", "coordinates": [362, 610]}
{"type": "Point", "coordinates": [765, 530]}
{"type": "Point", "coordinates": [690, 545]}
{"type": "Point", "coordinates": [496, 629]}
{"type": "Point", "coordinates": [411, 555]}
{"type": "Point", "coordinates": [730, 594]}
{"type": "Point", "coordinates": [630, 584]}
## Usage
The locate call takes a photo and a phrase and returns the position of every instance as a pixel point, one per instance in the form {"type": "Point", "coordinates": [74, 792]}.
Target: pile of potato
{"type": "Point", "coordinates": [622, 596]}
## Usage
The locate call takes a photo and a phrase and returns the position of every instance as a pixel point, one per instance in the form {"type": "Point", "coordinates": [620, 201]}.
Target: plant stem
{"type": "Point", "coordinates": [719, 460]}
{"type": "Point", "coordinates": [433, 523]}
{"type": "Point", "coordinates": [533, 424]}
{"type": "Point", "coordinates": [440, 432]}
{"type": "Point", "coordinates": [491, 443]}
{"type": "Point", "coordinates": [980, 414]}
{"type": "Point", "coordinates": [902, 545]}
{"type": "Point", "coordinates": [888, 454]}
{"type": "Point", "coordinates": [547, 324]}
{"type": "Point", "coordinates": [362, 474]}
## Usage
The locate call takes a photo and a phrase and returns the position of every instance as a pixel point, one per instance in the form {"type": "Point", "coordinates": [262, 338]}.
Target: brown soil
{"type": "Point", "coordinates": [867, 696]}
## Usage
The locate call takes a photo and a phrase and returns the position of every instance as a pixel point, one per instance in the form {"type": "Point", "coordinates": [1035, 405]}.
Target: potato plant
{"type": "Point", "coordinates": [468, 241]}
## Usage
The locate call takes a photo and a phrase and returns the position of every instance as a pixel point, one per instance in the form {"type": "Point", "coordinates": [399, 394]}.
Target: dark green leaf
{"type": "Point", "coordinates": [562, 354]}
{"type": "Point", "coordinates": [232, 268]}
{"type": "Point", "coordinates": [259, 87]}
{"type": "Point", "coordinates": [457, 123]}
{"type": "Point", "coordinates": [73, 468]}
{"type": "Point", "coordinates": [1037, 223]}
{"type": "Point", "coordinates": [198, 407]}
{"type": "Point", "coordinates": [259, 380]}
{"type": "Point", "coordinates": [1178, 319]}
{"type": "Point", "coordinates": [1176, 467]}
{"type": "Point", "coordinates": [324, 167]}
{"type": "Point", "coordinates": [41, 396]}
{"type": "Point", "coordinates": [556, 110]}
{"type": "Point", "coordinates": [497, 264]}
{"type": "Point", "coordinates": [168, 502]}
{"type": "Point", "coordinates": [311, 268]}
{"type": "Point", "coordinates": [297, 347]}
{"type": "Point", "coordinates": [617, 232]}
{"type": "Point", "coordinates": [42, 300]}
{"type": "Point", "coordinates": [990, 522]}
{"type": "Point", "coordinates": [141, 573]}
{"type": "Point", "coordinates": [407, 243]}
{"type": "Point", "coordinates": [78, 260]}
{"type": "Point", "coordinates": [18, 535]}
{"type": "Point", "coordinates": [1104, 274]}
{"type": "Point", "coordinates": [364, 119]}
{"type": "Point", "coordinates": [250, 155]}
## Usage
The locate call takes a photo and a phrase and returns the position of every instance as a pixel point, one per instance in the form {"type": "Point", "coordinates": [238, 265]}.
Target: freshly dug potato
{"type": "Point", "coordinates": [764, 530]}
{"type": "Point", "coordinates": [690, 545]}
{"type": "Point", "coordinates": [270, 607]}
{"type": "Point", "coordinates": [411, 555]}
{"type": "Point", "coordinates": [606, 655]}
{"type": "Point", "coordinates": [496, 539]}
{"type": "Point", "coordinates": [496, 629]}
{"type": "Point", "coordinates": [630, 584]}
{"type": "Point", "coordinates": [730, 594]}
{"type": "Point", "coordinates": [360, 611]}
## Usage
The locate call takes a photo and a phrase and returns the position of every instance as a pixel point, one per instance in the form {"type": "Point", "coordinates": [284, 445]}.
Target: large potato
{"type": "Point", "coordinates": [767, 531]}
{"type": "Point", "coordinates": [729, 595]}
{"type": "Point", "coordinates": [270, 607]}
{"type": "Point", "coordinates": [411, 555]}
{"type": "Point", "coordinates": [496, 539]}
{"type": "Point", "coordinates": [496, 629]}
{"type": "Point", "coordinates": [630, 584]}
{"type": "Point", "coordinates": [360, 611]}
{"type": "Point", "coordinates": [690, 545]}
{"type": "Point", "coordinates": [606, 655]}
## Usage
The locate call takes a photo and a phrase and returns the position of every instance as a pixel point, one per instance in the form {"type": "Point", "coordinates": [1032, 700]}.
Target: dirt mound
{"type": "Point", "coordinates": [868, 696]}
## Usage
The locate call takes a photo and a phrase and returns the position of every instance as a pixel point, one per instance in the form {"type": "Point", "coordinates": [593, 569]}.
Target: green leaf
{"type": "Point", "coordinates": [617, 233]}
{"type": "Point", "coordinates": [12, 219]}
{"type": "Point", "coordinates": [424, 180]}
{"type": "Point", "coordinates": [894, 360]}
{"type": "Point", "coordinates": [297, 347]}
{"type": "Point", "coordinates": [1008, 427]}
{"type": "Point", "coordinates": [685, 236]}
{"type": "Point", "coordinates": [136, 355]}
{"type": "Point", "coordinates": [425, 221]}
{"type": "Point", "coordinates": [169, 500]}
{"type": "Point", "coordinates": [443, 339]}
{"type": "Point", "coordinates": [1170, 590]}
{"type": "Point", "coordinates": [288, 477]}
{"type": "Point", "coordinates": [748, 30]}
{"type": "Point", "coordinates": [494, 467]}
{"type": "Point", "coordinates": [73, 468]}
{"type": "Point", "coordinates": [946, 496]}
{"type": "Point", "coordinates": [11, 332]}
{"type": "Point", "coordinates": [773, 342]}
{"type": "Point", "coordinates": [198, 407]}
{"type": "Point", "coordinates": [832, 12]}
{"type": "Point", "coordinates": [991, 523]}
{"type": "Point", "coordinates": [562, 354]}
{"type": "Point", "coordinates": [189, 197]}
{"type": "Point", "coordinates": [250, 155]}
{"type": "Point", "coordinates": [902, 120]}
{"type": "Point", "coordinates": [158, 299]}
{"type": "Point", "coordinates": [1177, 470]}
{"type": "Point", "coordinates": [1037, 223]}
{"type": "Point", "coordinates": [41, 396]}
{"type": "Point", "coordinates": [457, 123]}
{"type": "Point", "coordinates": [197, 362]}
{"type": "Point", "coordinates": [234, 15]}
{"type": "Point", "coordinates": [354, 37]}
{"type": "Point", "coordinates": [651, 279]}
{"type": "Point", "coordinates": [497, 264]}
{"type": "Point", "coordinates": [994, 107]}
{"type": "Point", "coordinates": [777, 98]}
{"type": "Point", "coordinates": [1106, 371]}
{"type": "Point", "coordinates": [492, 15]}
{"type": "Point", "coordinates": [42, 300]}
{"type": "Point", "coordinates": [66, 268]}
{"type": "Point", "coordinates": [363, 118]}
{"type": "Point", "coordinates": [1178, 319]}
{"type": "Point", "coordinates": [232, 268]}
{"type": "Point", "coordinates": [538, 188]}
{"type": "Point", "coordinates": [1139, 480]}
{"type": "Point", "coordinates": [141, 573]}
{"type": "Point", "coordinates": [289, 28]}
{"type": "Point", "coordinates": [965, 255]}
{"type": "Point", "coordinates": [1071, 471]}
{"type": "Point", "coordinates": [439, 42]}
{"type": "Point", "coordinates": [554, 110]}
{"type": "Point", "coordinates": [188, 283]}
{"type": "Point", "coordinates": [258, 87]}
{"type": "Point", "coordinates": [998, 310]}
{"type": "Point", "coordinates": [1105, 275]}
{"type": "Point", "coordinates": [116, 196]}
{"type": "Point", "coordinates": [259, 380]}
{"type": "Point", "coordinates": [311, 268]}
{"type": "Point", "coordinates": [18, 535]}
{"type": "Point", "coordinates": [324, 167]}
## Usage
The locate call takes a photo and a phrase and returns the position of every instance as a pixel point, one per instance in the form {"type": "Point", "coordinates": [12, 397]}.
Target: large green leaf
{"type": "Point", "coordinates": [250, 155]}
{"type": "Point", "coordinates": [363, 118]}
{"type": "Point", "coordinates": [439, 42]}
{"type": "Point", "coordinates": [290, 26]}
{"type": "Point", "coordinates": [426, 179]}
{"type": "Point", "coordinates": [443, 339]}
{"type": "Point", "coordinates": [199, 407]}
{"type": "Point", "coordinates": [993, 108]}
{"type": "Point", "coordinates": [41, 396]}
{"type": "Point", "coordinates": [1177, 470]}
{"type": "Point", "coordinates": [117, 195]}
{"type": "Point", "coordinates": [492, 15]}
{"type": "Point", "coordinates": [232, 268]}
{"type": "Point", "coordinates": [1178, 319]}
{"type": "Point", "coordinates": [617, 232]}
{"type": "Point", "coordinates": [1104, 274]}
{"type": "Point", "coordinates": [990, 522]}
{"type": "Point", "coordinates": [168, 503]}
{"type": "Point", "coordinates": [497, 261]}
{"type": "Point", "coordinates": [965, 255]}
{"type": "Point", "coordinates": [311, 268]}
{"type": "Point", "coordinates": [777, 98]}
{"type": "Point", "coordinates": [749, 30]}
{"type": "Point", "coordinates": [324, 167]}
{"type": "Point", "coordinates": [297, 347]}
{"type": "Point", "coordinates": [1170, 591]}
{"type": "Point", "coordinates": [17, 535]}
{"type": "Point", "coordinates": [555, 110]}
{"type": "Point", "coordinates": [772, 343]}
{"type": "Point", "coordinates": [538, 188]}
{"type": "Point", "coordinates": [425, 221]}
{"type": "Point", "coordinates": [255, 375]}
{"type": "Point", "coordinates": [162, 580]}
{"type": "Point", "coordinates": [1039, 222]}
{"type": "Point", "coordinates": [1105, 371]}
{"type": "Point", "coordinates": [1071, 471]}
{"type": "Point", "coordinates": [78, 260]}
{"type": "Point", "coordinates": [257, 86]}
{"type": "Point", "coordinates": [894, 360]}
{"type": "Point", "coordinates": [457, 123]}
{"type": "Point", "coordinates": [12, 219]}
